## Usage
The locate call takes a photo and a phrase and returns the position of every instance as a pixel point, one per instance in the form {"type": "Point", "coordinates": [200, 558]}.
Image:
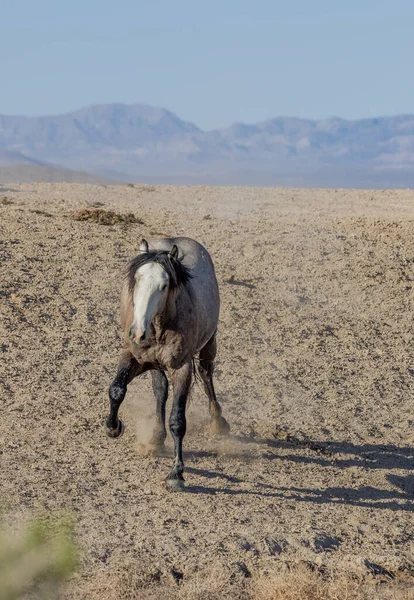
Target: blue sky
{"type": "Point", "coordinates": [213, 63]}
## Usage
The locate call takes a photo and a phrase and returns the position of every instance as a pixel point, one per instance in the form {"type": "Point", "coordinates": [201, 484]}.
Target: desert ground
{"type": "Point", "coordinates": [315, 373]}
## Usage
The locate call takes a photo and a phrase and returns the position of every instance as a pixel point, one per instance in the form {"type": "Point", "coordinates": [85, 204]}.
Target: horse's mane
{"type": "Point", "coordinates": [178, 274]}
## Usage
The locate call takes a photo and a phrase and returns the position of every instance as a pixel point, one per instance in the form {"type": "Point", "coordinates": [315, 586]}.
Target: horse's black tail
{"type": "Point", "coordinates": [196, 377]}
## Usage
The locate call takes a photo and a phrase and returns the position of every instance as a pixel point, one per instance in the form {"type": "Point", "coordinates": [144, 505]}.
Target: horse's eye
{"type": "Point", "coordinates": [164, 287]}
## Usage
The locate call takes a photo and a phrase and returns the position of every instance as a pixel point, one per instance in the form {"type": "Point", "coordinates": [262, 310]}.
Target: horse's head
{"type": "Point", "coordinates": [152, 275]}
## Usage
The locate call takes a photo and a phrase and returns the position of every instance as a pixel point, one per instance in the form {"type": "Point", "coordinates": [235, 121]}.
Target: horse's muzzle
{"type": "Point", "coordinates": [137, 337]}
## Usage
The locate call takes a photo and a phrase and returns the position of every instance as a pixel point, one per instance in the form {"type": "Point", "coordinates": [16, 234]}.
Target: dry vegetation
{"type": "Point", "coordinates": [312, 496]}
{"type": "Point", "coordinates": [131, 583]}
{"type": "Point", "coordinates": [105, 217]}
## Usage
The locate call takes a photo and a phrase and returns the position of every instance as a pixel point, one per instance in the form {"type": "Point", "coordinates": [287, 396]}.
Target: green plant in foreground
{"type": "Point", "coordinates": [37, 560]}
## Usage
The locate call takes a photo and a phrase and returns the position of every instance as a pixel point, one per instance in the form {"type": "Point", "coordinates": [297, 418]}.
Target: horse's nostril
{"type": "Point", "coordinates": [131, 333]}
{"type": "Point", "coordinates": [142, 338]}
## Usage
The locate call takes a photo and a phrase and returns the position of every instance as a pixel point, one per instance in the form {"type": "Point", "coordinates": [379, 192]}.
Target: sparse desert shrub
{"type": "Point", "coordinates": [36, 561]}
{"type": "Point", "coordinates": [105, 217]}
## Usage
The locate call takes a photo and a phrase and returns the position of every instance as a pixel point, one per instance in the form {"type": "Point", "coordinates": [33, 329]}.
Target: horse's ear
{"type": "Point", "coordinates": [174, 252]}
{"type": "Point", "coordinates": [143, 247]}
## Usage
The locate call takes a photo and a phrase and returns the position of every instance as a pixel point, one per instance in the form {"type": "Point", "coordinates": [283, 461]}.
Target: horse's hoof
{"type": "Point", "coordinates": [175, 485]}
{"type": "Point", "coordinates": [219, 426]}
{"type": "Point", "coordinates": [115, 433]}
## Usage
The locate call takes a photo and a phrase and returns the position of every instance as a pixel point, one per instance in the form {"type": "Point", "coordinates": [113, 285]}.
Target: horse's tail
{"type": "Point", "coordinates": [196, 377]}
{"type": "Point", "coordinates": [195, 371]}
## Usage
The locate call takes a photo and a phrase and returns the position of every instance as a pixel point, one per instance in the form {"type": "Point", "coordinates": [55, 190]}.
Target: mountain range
{"type": "Point", "coordinates": [141, 143]}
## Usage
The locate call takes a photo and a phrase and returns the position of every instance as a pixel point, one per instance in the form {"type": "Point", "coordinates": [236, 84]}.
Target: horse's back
{"type": "Point", "coordinates": [203, 282]}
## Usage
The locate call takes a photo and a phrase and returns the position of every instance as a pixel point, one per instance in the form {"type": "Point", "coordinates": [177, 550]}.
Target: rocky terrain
{"type": "Point", "coordinates": [315, 373]}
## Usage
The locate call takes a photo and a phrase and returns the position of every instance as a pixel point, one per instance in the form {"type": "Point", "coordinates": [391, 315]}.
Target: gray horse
{"type": "Point", "coordinates": [169, 313]}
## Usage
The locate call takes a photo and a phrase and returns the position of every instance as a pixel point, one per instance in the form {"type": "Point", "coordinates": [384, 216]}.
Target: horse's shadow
{"type": "Point", "coordinates": [367, 456]}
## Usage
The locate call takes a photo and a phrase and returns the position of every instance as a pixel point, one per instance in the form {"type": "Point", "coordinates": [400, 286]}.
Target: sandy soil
{"type": "Point", "coordinates": [315, 373]}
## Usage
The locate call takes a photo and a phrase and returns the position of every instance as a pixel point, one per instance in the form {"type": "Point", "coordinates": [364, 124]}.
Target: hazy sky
{"type": "Point", "coordinates": [213, 62]}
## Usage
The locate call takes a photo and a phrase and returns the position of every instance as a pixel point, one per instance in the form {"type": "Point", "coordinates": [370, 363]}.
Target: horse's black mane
{"type": "Point", "coordinates": [178, 274]}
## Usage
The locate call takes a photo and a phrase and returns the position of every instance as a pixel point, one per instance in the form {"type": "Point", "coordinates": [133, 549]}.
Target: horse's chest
{"type": "Point", "coordinates": [166, 354]}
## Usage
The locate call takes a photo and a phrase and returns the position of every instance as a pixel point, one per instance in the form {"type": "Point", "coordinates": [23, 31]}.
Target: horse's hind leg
{"type": "Point", "coordinates": [128, 368]}
{"type": "Point", "coordinates": [205, 368]}
{"type": "Point", "coordinates": [160, 388]}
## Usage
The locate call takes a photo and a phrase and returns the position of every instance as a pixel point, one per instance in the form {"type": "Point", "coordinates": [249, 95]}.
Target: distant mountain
{"type": "Point", "coordinates": [142, 143]}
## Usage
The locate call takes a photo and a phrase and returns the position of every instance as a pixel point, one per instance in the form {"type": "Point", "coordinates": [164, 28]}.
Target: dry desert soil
{"type": "Point", "coordinates": [315, 373]}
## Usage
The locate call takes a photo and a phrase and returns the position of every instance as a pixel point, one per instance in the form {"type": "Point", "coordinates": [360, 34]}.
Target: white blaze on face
{"type": "Point", "coordinates": [149, 297]}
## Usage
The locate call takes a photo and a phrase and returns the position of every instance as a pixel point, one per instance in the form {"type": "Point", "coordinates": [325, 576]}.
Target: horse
{"type": "Point", "coordinates": [169, 314]}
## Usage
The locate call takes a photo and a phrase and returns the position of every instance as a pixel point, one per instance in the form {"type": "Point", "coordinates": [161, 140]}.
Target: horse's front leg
{"type": "Point", "coordinates": [181, 380]}
{"type": "Point", "coordinates": [128, 368]}
{"type": "Point", "coordinates": [160, 389]}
